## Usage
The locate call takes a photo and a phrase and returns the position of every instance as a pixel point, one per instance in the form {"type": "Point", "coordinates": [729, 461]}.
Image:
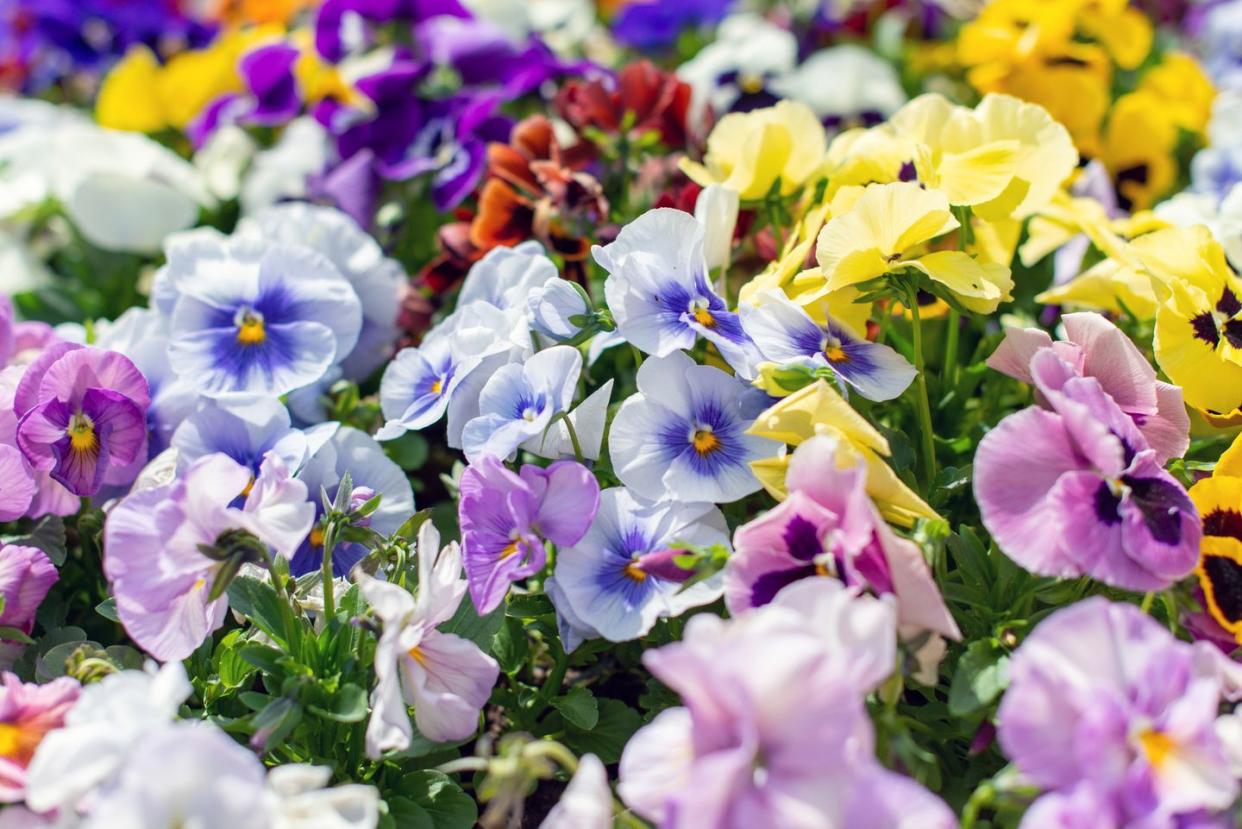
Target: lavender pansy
{"type": "Point", "coordinates": [518, 402]}
{"type": "Point", "coordinates": [153, 539]}
{"type": "Point", "coordinates": [785, 334]}
{"type": "Point", "coordinates": [1101, 695]}
{"type": "Point", "coordinates": [1086, 469]}
{"type": "Point", "coordinates": [621, 577]}
{"type": "Point", "coordinates": [350, 451]}
{"type": "Point", "coordinates": [28, 491]}
{"type": "Point", "coordinates": [659, 292]}
{"type": "Point", "coordinates": [506, 517]}
{"type": "Point", "coordinates": [683, 435]}
{"type": "Point", "coordinates": [1095, 347]}
{"type": "Point", "coordinates": [83, 417]}
{"type": "Point", "coordinates": [245, 430]}
{"type": "Point", "coordinates": [446, 678]}
{"type": "Point", "coordinates": [257, 318]}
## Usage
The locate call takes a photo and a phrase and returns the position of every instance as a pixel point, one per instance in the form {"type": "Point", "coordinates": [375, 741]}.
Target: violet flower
{"type": "Point", "coordinates": [1083, 467]}
{"type": "Point", "coordinates": [828, 526]}
{"type": "Point", "coordinates": [1094, 347]}
{"type": "Point", "coordinates": [27, 491]}
{"type": "Point", "coordinates": [447, 679]}
{"type": "Point", "coordinates": [83, 417]}
{"type": "Point", "coordinates": [26, 574]}
{"type": "Point", "coordinates": [506, 517]}
{"type": "Point", "coordinates": [1106, 710]}
{"type": "Point", "coordinates": [773, 731]}
{"type": "Point", "coordinates": [156, 542]}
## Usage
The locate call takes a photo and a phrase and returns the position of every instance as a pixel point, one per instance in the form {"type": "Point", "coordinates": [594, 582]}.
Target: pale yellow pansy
{"type": "Point", "coordinates": [819, 409]}
{"type": "Point", "coordinates": [886, 230]}
{"type": "Point", "coordinates": [748, 152]}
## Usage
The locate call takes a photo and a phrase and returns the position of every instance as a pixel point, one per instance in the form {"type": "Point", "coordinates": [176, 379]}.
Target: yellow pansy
{"type": "Point", "coordinates": [1219, 502]}
{"type": "Point", "coordinates": [1185, 92]}
{"type": "Point", "coordinates": [240, 12]}
{"type": "Point", "coordinates": [1124, 31]}
{"type": "Point", "coordinates": [819, 409]}
{"type": "Point", "coordinates": [1004, 158]}
{"type": "Point", "coordinates": [1109, 286]}
{"type": "Point", "coordinates": [887, 229]}
{"type": "Point", "coordinates": [749, 151]}
{"type": "Point", "coordinates": [1198, 340]}
{"type": "Point", "coordinates": [1138, 149]}
{"type": "Point", "coordinates": [142, 95]}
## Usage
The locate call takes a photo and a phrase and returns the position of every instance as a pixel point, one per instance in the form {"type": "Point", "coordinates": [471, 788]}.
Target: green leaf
{"type": "Point", "coordinates": [410, 451]}
{"type": "Point", "coordinates": [467, 624]}
{"type": "Point", "coordinates": [262, 657]}
{"type": "Point", "coordinates": [349, 704]}
{"type": "Point", "coordinates": [982, 673]}
{"type": "Point", "coordinates": [107, 609]}
{"type": "Point", "coordinates": [510, 645]}
{"type": "Point", "coordinates": [48, 535]}
{"type": "Point", "coordinates": [277, 719]}
{"type": "Point", "coordinates": [579, 707]}
{"type": "Point", "coordinates": [439, 800]}
{"type": "Point", "coordinates": [617, 723]}
{"type": "Point", "coordinates": [409, 528]}
{"type": "Point", "coordinates": [258, 602]}
{"type": "Point", "coordinates": [529, 605]}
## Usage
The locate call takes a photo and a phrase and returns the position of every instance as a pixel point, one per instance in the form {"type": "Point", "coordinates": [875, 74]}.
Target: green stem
{"type": "Point", "coordinates": [952, 335]}
{"type": "Point", "coordinates": [573, 436]}
{"type": "Point", "coordinates": [981, 798]}
{"type": "Point", "coordinates": [1148, 600]}
{"type": "Point", "coordinates": [329, 600]}
{"type": "Point", "coordinates": [921, 397]}
{"type": "Point", "coordinates": [551, 684]}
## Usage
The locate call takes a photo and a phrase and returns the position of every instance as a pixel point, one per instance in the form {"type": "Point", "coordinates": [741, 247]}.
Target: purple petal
{"type": "Point", "coordinates": [568, 498]}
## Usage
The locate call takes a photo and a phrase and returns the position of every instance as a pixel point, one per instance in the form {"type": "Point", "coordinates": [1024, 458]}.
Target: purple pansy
{"type": "Point", "coordinates": [506, 517]}
{"type": "Point", "coordinates": [657, 24]}
{"type": "Point", "coordinates": [83, 417]}
{"type": "Point", "coordinates": [1083, 466]}
{"type": "Point", "coordinates": [331, 21]}
{"type": "Point", "coordinates": [26, 574]}
{"type": "Point", "coordinates": [1108, 712]}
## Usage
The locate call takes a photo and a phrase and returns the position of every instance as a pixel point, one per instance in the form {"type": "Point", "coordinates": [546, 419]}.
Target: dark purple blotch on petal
{"type": "Point", "coordinates": [1162, 504]}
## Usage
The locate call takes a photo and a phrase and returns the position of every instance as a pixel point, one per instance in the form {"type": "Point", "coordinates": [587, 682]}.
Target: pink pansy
{"type": "Point", "coordinates": [1094, 347]}
{"type": "Point", "coordinates": [82, 417]}
{"type": "Point", "coordinates": [26, 574]}
{"type": "Point", "coordinates": [447, 679]}
{"type": "Point", "coordinates": [161, 579]}
{"type": "Point", "coordinates": [828, 526]}
{"type": "Point", "coordinates": [773, 731]}
{"type": "Point", "coordinates": [27, 712]}
{"type": "Point", "coordinates": [24, 491]}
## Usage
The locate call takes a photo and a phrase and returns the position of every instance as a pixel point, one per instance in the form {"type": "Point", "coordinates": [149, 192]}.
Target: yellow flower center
{"type": "Point", "coordinates": [18, 743]}
{"type": "Point", "coordinates": [1157, 746]}
{"type": "Point", "coordinates": [705, 441]}
{"type": "Point", "coordinates": [316, 536]}
{"type": "Point", "coordinates": [750, 84]}
{"type": "Point", "coordinates": [249, 486]}
{"type": "Point", "coordinates": [416, 653]}
{"type": "Point", "coordinates": [250, 328]}
{"type": "Point", "coordinates": [836, 354]}
{"type": "Point", "coordinates": [81, 433]}
{"type": "Point", "coordinates": [199, 584]}
{"type": "Point", "coordinates": [634, 572]}
{"type": "Point", "coordinates": [511, 550]}
{"type": "Point", "coordinates": [704, 317]}
{"type": "Point", "coordinates": [437, 387]}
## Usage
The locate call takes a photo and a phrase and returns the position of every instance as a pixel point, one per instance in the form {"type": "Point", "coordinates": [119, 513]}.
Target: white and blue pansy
{"type": "Point", "coordinates": [683, 435]}
{"type": "Point", "coordinates": [245, 430]}
{"type": "Point", "coordinates": [376, 279]}
{"type": "Point", "coordinates": [505, 276]}
{"type": "Point", "coordinates": [659, 292]}
{"type": "Point", "coordinates": [261, 319]}
{"type": "Point", "coordinates": [519, 401]}
{"type": "Point", "coordinates": [355, 452]}
{"type": "Point", "coordinates": [785, 334]}
{"type": "Point", "coordinates": [621, 577]}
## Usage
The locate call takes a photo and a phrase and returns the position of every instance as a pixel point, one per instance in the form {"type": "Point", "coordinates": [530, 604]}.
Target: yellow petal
{"type": "Point", "coordinates": [128, 98]}
{"type": "Point", "coordinates": [1107, 286]}
{"type": "Point", "coordinates": [970, 281]}
{"type": "Point", "coordinates": [802, 415]}
{"type": "Point", "coordinates": [1230, 463]}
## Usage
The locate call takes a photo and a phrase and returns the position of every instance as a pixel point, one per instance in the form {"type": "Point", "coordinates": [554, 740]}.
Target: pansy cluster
{"type": "Point", "coordinates": [691, 415]}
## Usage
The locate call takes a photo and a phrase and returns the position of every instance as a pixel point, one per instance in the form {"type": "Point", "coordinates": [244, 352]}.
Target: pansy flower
{"type": "Point", "coordinates": [446, 678]}
{"type": "Point", "coordinates": [1219, 501]}
{"type": "Point", "coordinates": [519, 401]}
{"type": "Point", "coordinates": [683, 436]}
{"type": "Point", "coordinates": [27, 713]}
{"type": "Point", "coordinates": [1097, 348]}
{"type": "Point", "coordinates": [506, 517]}
{"type": "Point", "coordinates": [659, 292]}
{"type": "Point", "coordinates": [886, 229]}
{"type": "Point", "coordinates": [621, 577]}
{"type": "Point", "coordinates": [827, 526]}
{"type": "Point", "coordinates": [256, 318]}
{"type": "Point", "coordinates": [154, 543]}
{"type": "Point", "coordinates": [83, 417]}
{"type": "Point", "coordinates": [1101, 695]}
{"type": "Point", "coordinates": [1086, 469]}
{"type": "Point", "coordinates": [245, 430]}
{"type": "Point", "coordinates": [350, 451]}
{"type": "Point", "coordinates": [26, 574]}
{"type": "Point", "coordinates": [785, 334]}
